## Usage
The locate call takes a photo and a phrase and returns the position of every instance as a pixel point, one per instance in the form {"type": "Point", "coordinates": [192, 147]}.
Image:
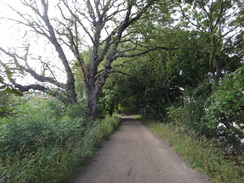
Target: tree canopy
{"type": "Point", "coordinates": [160, 47]}
{"type": "Point", "coordinates": [100, 26]}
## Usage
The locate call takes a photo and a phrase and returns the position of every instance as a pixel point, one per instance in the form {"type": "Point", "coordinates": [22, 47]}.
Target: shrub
{"type": "Point", "coordinates": [189, 114]}
{"type": "Point", "coordinates": [46, 142]}
{"type": "Point", "coordinates": [36, 125]}
{"type": "Point", "coordinates": [224, 111]}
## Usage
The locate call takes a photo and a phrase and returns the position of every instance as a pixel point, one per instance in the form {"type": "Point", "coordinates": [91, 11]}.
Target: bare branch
{"type": "Point", "coordinates": [26, 88]}
{"type": "Point", "coordinates": [122, 54]}
{"type": "Point", "coordinates": [31, 71]}
{"type": "Point", "coordinates": [76, 18]}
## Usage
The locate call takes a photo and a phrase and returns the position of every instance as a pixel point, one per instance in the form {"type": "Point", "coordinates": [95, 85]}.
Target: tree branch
{"type": "Point", "coordinates": [31, 71]}
{"type": "Point", "coordinates": [122, 54]}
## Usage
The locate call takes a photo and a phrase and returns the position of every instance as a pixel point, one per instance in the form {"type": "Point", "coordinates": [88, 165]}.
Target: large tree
{"type": "Point", "coordinates": [100, 26]}
{"type": "Point", "coordinates": [220, 21]}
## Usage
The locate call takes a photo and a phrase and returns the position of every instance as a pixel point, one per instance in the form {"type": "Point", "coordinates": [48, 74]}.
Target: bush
{"type": "Point", "coordinates": [224, 110]}
{"type": "Point", "coordinates": [37, 124]}
{"type": "Point", "coordinates": [217, 115]}
{"type": "Point", "coordinates": [6, 108]}
{"type": "Point", "coordinates": [46, 142]}
{"type": "Point", "coordinates": [189, 114]}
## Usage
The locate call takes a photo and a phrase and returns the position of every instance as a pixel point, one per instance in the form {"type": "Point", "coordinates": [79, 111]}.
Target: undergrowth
{"type": "Point", "coordinates": [46, 142]}
{"type": "Point", "coordinates": [200, 153]}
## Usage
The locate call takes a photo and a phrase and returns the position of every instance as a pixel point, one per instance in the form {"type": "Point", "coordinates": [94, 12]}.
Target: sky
{"type": "Point", "coordinates": [12, 36]}
{"type": "Point", "coordinates": [5, 26]}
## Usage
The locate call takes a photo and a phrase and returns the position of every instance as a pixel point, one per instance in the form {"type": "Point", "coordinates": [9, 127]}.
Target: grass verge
{"type": "Point", "coordinates": [199, 153]}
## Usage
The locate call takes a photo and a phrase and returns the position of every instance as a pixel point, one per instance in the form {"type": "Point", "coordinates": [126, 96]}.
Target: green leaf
{"type": "Point", "coordinates": [2, 87]}
{"type": "Point", "coordinates": [14, 91]}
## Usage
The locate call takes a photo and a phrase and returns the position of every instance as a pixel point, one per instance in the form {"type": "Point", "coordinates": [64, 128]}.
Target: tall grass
{"type": "Point", "coordinates": [56, 164]}
{"type": "Point", "coordinates": [200, 153]}
{"type": "Point", "coordinates": [41, 146]}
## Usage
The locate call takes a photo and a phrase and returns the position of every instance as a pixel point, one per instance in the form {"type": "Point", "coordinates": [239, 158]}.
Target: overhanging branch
{"type": "Point", "coordinates": [122, 54]}
{"type": "Point", "coordinates": [33, 73]}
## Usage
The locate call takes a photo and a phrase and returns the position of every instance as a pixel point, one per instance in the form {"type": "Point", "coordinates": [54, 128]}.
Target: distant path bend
{"type": "Point", "coordinates": [135, 155]}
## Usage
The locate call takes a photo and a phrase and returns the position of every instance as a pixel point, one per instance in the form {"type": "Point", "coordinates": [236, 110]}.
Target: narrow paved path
{"type": "Point", "coordinates": [134, 155]}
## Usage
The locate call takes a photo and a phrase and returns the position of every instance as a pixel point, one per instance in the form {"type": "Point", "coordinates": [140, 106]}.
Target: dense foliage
{"type": "Point", "coordinates": [5, 105]}
{"type": "Point", "coordinates": [46, 141]}
{"type": "Point", "coordinates": [37, 123]}
{"type": "Point", "coordinates": [224, 114]}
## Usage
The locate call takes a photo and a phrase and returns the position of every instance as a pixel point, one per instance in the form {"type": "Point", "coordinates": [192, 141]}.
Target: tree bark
{"type": "Point", "coordinates": [91, 104]}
